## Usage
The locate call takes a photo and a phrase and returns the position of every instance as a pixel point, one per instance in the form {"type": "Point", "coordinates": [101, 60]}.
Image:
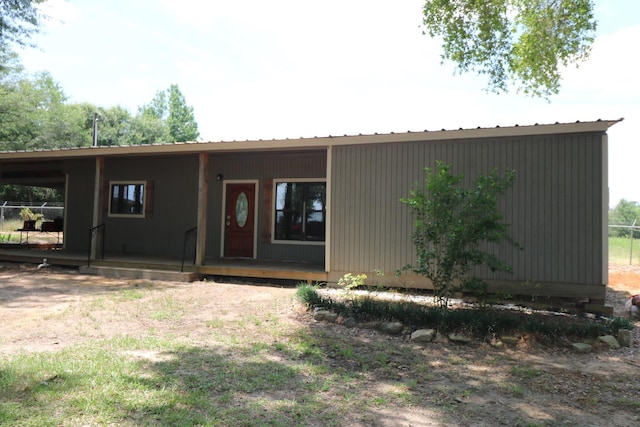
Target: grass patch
{"type": "Point", "coordinates": [167, 308]}
{"type": "Point", "coordinates": [514, 390]}
{"type": "Point", "coordinates": [128, 381]}
{"type": "Point", "coordinates": [131, 294]}
{"type": "Point", "coordinates": [620, 250]}
{"type": "Point", "coordinates": [9, 238]}
{"type": "Point", "coordinates": [525, 371]}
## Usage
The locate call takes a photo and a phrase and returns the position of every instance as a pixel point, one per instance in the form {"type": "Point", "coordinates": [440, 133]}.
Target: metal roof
{"type": "Point", "coordinates": [310, 143]}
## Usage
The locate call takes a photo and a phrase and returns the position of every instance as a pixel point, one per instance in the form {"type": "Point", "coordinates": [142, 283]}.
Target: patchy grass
{"type": "Point", "coordinates": [227, 355]}
{"type": "Point", "coordinates": [153, 382]}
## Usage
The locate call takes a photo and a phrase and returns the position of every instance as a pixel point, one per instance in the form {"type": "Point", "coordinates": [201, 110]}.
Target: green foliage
{"type": "Point", "coordinates": [35, 114]}
{"type": "Point", "coordinates": [352, 281]}
{"type": "Point", "coordinates": [308, 294]}
{"type": "Point", "coordinates": [618, 323]}
{"type": "Point", "coordinates": [451, 223]}
{"type": "Point", "coordinates": [482, 322]}
{"type": "Point", "coordinates": [7, 237]}
{"type": "Point", "coordinates": [27, 215]}
{"type": "Point", "coordinates": [19, 20]}
{"type": "Point", "coordinates": [625, 213]}
{"type": "Point", "coordinates": [23, 193]}
{"type": "Point", "coordinates": [524, 41]}
{"type": "Point", "coordinates": [171, 107]}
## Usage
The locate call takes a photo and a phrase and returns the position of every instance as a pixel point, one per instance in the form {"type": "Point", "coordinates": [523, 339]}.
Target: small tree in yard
{"type": "Point", "coordinates": [451, 224]}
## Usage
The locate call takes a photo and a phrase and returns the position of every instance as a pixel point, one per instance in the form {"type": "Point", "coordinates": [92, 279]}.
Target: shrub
{"type": "Point", "coordinates": [450, 224]}
{"type": "Point", "coordinates": [481, 322]}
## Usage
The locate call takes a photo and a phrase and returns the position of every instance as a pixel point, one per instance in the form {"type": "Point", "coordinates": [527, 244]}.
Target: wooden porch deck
{"type": "Point", "coordinates": [231, 267]}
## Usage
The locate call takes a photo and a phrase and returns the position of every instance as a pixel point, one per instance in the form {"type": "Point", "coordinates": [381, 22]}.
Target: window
{"type": "Point", "coordinates": [127, 199]}
{"type": "Point", "coordinates": [300, 211]}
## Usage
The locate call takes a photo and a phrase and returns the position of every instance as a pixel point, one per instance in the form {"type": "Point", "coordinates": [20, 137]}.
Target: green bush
{"type": "Point", "coordinates": [451, 223]}
{"type": "Point", "coordinates": [482, 322]}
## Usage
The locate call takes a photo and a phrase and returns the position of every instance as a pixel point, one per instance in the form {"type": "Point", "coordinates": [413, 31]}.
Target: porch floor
{"type": "Point", "coordinates": [232, 267]}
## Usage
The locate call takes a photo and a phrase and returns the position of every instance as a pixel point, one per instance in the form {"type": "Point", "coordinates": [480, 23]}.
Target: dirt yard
{"type": "Point", "coordinates": [51, 308]}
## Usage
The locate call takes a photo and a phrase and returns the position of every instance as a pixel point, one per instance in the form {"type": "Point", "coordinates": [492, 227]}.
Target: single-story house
{"type": "Point", "coordinates": [334, 202]}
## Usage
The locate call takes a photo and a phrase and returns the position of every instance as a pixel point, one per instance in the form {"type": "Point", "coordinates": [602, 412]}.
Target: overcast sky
{"type": "Point", "coordinates": [289, 68]}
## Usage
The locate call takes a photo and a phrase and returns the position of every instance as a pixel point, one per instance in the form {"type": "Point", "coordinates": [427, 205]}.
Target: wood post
{"type": "Point", "coordinates": [203, 191]}
{"type": "Point", "coordinates": [98, 200]}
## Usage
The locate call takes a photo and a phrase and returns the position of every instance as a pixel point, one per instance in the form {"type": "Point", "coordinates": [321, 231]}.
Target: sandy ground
{"type": "Point", "coordinates": [51, 308]}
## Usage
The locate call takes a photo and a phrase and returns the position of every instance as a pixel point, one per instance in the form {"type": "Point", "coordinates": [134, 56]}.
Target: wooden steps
{"type": "Point", "coordinates": [139, 273]}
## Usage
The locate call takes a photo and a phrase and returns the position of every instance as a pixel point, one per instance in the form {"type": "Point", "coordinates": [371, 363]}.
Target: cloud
{"type": "Point", "coordinates": [610, 71]}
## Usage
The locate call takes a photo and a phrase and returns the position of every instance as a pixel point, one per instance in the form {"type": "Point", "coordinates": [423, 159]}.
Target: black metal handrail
{"type": "Point", "coordinates": [189, 234]}
{"type": "Point", "coordinates": [93, 231]}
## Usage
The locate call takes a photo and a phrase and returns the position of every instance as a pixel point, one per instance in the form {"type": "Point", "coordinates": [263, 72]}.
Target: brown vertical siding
{"type": "Point", "coordinates": [79, 203]}
{"type": "Point", "coordinates": [175, 195]}
{"type": "Point", "coordinates": [553, 208]}
{"type": "Point", "coordinates": [263, 167]}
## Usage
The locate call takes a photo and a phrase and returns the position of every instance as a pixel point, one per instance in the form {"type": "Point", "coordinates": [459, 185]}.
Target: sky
{"type": "Point", "coordinates": [256, 69]}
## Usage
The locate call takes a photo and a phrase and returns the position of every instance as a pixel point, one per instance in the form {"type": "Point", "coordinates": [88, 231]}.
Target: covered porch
{"type": "Point", "coordinates": [166, 268]}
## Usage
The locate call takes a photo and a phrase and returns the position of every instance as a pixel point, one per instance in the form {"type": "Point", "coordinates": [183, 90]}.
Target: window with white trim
{"type": "Point", "coordinates": [127, 199]}
{"type": "Point", "coordinates": [300, 211]}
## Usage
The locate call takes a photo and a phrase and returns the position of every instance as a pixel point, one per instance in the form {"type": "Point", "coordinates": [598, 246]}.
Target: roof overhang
{"type": "Point", "coordinates": [309, 143]}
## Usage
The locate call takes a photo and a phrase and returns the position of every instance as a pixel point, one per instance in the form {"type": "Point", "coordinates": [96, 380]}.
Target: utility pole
{"type": "Point", "coordinates": [95, 129]}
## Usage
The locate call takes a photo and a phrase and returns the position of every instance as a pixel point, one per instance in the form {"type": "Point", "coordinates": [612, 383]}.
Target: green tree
{"type": "Point", "coordinates": [113, 125]}
{"type": "Point", "coordinates": [524, 41]}
{"type": "Point", "coordinates": [34, 114]}
{"type": "Point", "coordinates": [157, 108]}
{"type": "Point", "coordinates": [146, 130]}
{"type": "Point", "coordinates": [19, 20]}
{"type": "Point", "coordinates": [24, 193]}
{"type": "Point", "coordinates": [451, 224]}
{"type": "Point", "coordinates": [170, 107]}
{"type": "Point", "coordinates": [625, 213]}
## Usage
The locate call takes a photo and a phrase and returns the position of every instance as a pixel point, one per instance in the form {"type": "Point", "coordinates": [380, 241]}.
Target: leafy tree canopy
{"type": "Point", "coordinates": [625, 213]}
{"type": "Point", "coordinates": [19, 19]}
{"type": "Point", "coordinates": [35, 114]}
{"type": "Point", "coordinates": [524, 41]}
{"type": "Point", "coordinates": [171, 107]}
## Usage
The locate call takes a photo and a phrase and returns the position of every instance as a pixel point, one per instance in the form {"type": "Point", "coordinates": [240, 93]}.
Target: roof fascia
{"type": "Point", "coordinates": [310, 143]}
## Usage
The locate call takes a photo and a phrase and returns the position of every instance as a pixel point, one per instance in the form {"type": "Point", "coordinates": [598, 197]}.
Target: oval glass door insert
{"type": "Point", "coordinates": [242, 209]}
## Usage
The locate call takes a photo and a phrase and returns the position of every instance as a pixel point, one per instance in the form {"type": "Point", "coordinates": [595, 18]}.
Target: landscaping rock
{"type": "Point", "coordinates": [350, 322]}
{"type": "Point", "coordinates": [369, 325]}
{"type": "Point", "coordinates": [581, 347]}
{"type": "Point", "coordinates": [423, 335]}
{"type": "Point", "coordinates": [325, 315]}
{"type": "Point", "coordinates": [460, 339]}
{"type": "Point", "coordinates": [495, 342]}
{"type": "Point", "coordinates": [391, 328]}
{"type": "Point", "coordinates": [508, 339]}
{"type": "Point", "coordinates": [610, 340]}
{"type": "Point", "coordinates": [625, 337]}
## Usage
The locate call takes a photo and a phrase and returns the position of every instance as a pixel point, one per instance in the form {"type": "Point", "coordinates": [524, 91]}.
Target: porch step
{"type": "Point", "coordinates": [139, 273]}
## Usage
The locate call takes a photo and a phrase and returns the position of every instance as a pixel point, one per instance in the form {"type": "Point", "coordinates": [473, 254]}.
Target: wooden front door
{"type": "Point", "coordinates": [239, 220]}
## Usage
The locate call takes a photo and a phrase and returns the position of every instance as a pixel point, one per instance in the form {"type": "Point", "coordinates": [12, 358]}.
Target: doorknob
{"type": "Point", "coordinates": [228, 220]}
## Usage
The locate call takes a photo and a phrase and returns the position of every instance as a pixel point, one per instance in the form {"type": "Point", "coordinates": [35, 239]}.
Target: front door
{"type": "Point", "coordinates": [239, 220]}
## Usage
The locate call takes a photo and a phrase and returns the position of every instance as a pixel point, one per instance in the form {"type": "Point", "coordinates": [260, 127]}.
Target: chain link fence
{"type": "Point", "coordinates": [624, 243]}
{"type": "Point", "coordinates": [10, 218]}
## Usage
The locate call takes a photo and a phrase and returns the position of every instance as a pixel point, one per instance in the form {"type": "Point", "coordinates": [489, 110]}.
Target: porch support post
{"type": "Point", "coordinates": [98, 198]}
{"type": "Point", "coordinates": [327, 232]}
{"type": "Point", "coordinates": [604, 158]}
{"type": "Point", "coordinates": [203, 191]}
